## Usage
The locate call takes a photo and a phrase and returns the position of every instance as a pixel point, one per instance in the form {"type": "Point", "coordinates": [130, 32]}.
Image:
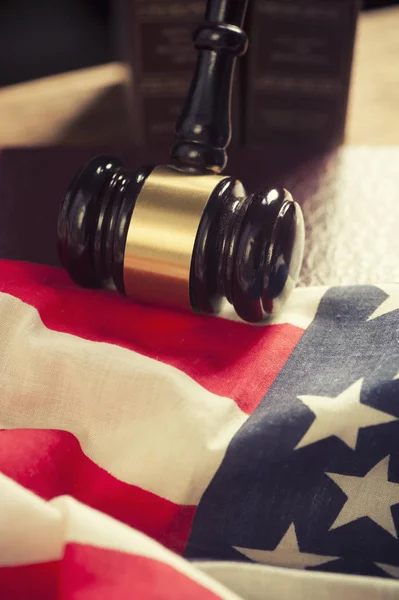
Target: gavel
{"type": "Point", "coordinates": [184, 235]}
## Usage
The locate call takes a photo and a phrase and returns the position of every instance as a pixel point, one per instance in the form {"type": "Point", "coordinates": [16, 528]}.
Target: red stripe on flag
{"type": "Point", "coordinates": [51, 463]}
{"type": "Point", "coordinates": [227, 358]}
{"type": "Point", "coordinates": [90, 573]}
{"type": "Point", "coordinates": [30, 582]}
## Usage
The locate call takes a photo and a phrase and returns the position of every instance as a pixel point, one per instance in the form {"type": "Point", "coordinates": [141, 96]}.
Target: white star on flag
{"type": "Point", "coordinates": [370, 496]}
{"type": "Point", "coordinates": [341, 416]}
{"type": "Point", "coordinates": [389, 305]}
{"type": "Point", "coordinates": [390, 569]}
{"type": "Point", "coordinates": [286, 554]}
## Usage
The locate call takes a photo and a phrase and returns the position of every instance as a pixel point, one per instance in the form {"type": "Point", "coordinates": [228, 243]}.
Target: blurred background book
{"type": "Point", "coordinates": [292, 87]}
{"type": "Point", "coordinates": [45, 37]}
{"type": "Point", "coordinates": [297, 72]}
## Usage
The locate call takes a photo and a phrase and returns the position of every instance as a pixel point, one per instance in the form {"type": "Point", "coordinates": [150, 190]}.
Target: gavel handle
{"type": "Point", "coordinates": [203, 130]}
{"type": "Point", "coordinates": [224, 11]}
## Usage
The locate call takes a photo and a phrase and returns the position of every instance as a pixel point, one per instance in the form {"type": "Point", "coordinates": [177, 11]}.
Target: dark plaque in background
{"type": "Point", "coordinates": [298, 71]}
{"type": "Point", "coordinates": [157, 44]}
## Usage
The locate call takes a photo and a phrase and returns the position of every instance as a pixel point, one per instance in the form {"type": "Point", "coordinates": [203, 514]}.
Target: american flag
{"type": "Point", "coordinates": [155, 455]}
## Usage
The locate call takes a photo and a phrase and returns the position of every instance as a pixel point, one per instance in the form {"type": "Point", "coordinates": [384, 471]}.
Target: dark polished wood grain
{"type": "Point", "coordinates": [94, 219]}
{"type": "Point", "coordinates": [203, 130]}
{"type": "Point", "coordinates": [248, 249]}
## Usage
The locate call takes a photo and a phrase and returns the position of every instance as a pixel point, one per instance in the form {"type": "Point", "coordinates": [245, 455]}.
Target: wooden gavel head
{"type": "Point", "coordinates": [184, 235]}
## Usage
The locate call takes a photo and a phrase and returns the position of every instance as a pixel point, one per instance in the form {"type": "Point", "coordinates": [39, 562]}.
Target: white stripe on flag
{"type": "Point", "coordinates": [33, 531]}
{"type": "Point", "coordinates": [257, 582]}
{"type": "Point", "coordinates": [145, 422]}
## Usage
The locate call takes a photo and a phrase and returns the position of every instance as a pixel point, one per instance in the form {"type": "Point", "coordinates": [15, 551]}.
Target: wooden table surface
{"type": "Point", "coordinates": [87, 107]}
